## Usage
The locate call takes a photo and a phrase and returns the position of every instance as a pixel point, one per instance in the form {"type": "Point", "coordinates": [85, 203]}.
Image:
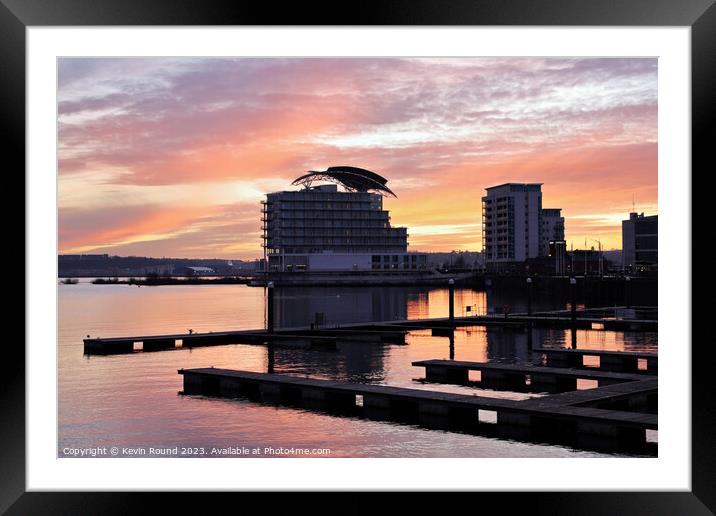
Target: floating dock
{"type": "Point", "coordinates": [518, 378]}
{"type": "Point", "coordinates": [118, 345]}
{"type": "Point", "coordinates": [641, 396]}
{"type": "Point", "coordinates": [564, 420]}
{"type": "Point", "coordinates": [387, 331]}
{"type": "Point", "coordinates": [616, 361]}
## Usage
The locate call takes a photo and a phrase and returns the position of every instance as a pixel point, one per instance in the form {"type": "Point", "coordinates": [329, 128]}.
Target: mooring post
{"type": "Point", "coordinates": [573, 300]}
{"type": "Point", "coordinates": [269, 308]}
{"type": "Point", "coordinates": [529, 296]}
{"type": "Point", "coordinates": [529, 336]}
{"type": "Point", "coordinates": [627, 292]}
{"type": "Point", "coordinates": [451, 289]}
{"type": "Point", "coordinates": [271, 358]}
{"type": "Point", "coordinates": [574, 337]}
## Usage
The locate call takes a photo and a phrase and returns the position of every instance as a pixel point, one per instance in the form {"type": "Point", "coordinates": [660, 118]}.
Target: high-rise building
{"type": "Point", "coordinates": [552, 229]}
{"type": "Point", "coordinates": [640, 241]}
{"type": "Point", "coordinates": [322, 228]}
{"type": "Point", "coordinates": [511, 222]}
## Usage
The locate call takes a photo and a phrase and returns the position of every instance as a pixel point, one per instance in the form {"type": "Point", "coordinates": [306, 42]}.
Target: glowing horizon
{"type": "Point", "coordinates": [171, 156]}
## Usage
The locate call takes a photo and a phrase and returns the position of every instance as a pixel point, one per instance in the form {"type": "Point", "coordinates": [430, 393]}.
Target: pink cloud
{"type": "Point", "coordinates": [443, 129]}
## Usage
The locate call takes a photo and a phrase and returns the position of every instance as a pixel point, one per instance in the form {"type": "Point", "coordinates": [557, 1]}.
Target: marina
{"type": "Point", "coordinates": [614, 414]}
{"type": "Point", "coordinates": [608, 360]}
{"type": "Point", "coordinates": [566, 420]}
{"type": "Point", "coordinates": [368, 353]}
{"type": "Point", "coordinates": [385, 331]}
{"type": "Point", "coordinates": [518, 377]}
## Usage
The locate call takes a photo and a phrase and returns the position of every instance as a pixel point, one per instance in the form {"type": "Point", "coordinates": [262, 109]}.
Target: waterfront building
{"type": "Point", "coordinates": [511, 222]}
{"type": "Point", "coordinates": [551, 230]}
{"type": "Point", "coordinates": [195, 271]}
{"type": "Point", "coordinates": [584, 262]}
{"type": "Point", "coordinates": [640, 242]}
{"type": "Point", "coordinates": [558, 253]}
{"type": "Point", "coordinates": [322, 228]}
{"type": "Point", "coordinates": [515, 227]}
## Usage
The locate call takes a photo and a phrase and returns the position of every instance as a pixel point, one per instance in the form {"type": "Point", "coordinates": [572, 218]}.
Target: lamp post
{"type": "Point", "coordinates": [627, 292]}
{"type": "Point", "coordinates": [529, 296]}
{"type": "Point", "coordinates": [269, 308]}
{"type": "Point", "coordinates": [573, 301]}
{"type": "Point", "coordinates": [451, 299]}
{"type": "Point", "coordinates": [269, 327]}
{"type": "Point", "coordinates": [601, 260]}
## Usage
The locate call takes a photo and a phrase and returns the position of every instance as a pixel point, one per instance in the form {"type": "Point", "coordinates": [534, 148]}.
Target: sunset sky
{"type": "Point", "coordinates": [171, 156]}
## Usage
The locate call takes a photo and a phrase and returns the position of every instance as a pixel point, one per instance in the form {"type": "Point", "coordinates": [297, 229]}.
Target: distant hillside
{"type": "Point", "coordinates": [103, 265]}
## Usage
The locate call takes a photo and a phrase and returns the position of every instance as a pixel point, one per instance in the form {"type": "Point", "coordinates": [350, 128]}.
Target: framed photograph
{"type": "Point", "coordinates": [412, 249]}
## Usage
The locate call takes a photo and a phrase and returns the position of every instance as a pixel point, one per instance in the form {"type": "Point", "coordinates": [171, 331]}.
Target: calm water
{"type": "Point", "coordinates": [133, 400]}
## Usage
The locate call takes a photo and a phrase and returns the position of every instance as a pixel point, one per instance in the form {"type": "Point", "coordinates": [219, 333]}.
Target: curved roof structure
{"type": "Point", "coordinates": [351, 178]}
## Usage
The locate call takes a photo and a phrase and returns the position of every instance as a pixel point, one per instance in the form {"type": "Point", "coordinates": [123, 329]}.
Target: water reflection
{"type": "Point", "coordinates": [330, 306]}
{"type": "Point", "coordinates": [508, 345]}
{"type": "Point", "coordinates": [270, 357]}
{"type": "Point", "coordinates": [127, 400]}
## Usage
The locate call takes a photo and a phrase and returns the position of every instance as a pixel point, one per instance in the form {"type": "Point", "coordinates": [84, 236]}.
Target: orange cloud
{"type": "Point", "coordinates": [135, 227]}
{"type": "Point", "coordinates": [150, 160]}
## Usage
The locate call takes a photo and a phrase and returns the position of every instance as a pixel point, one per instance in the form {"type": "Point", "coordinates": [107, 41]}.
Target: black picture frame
{"type": "Point", "coordinates": [17, 15]}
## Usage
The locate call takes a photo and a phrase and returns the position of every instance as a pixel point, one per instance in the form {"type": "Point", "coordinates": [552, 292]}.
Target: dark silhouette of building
{"type": "Point", "coordinates": [640, 242]}
{"type": "Point", "coordinates": [320, 228]}
{"type": "Point", "coordinates": [515, 227]}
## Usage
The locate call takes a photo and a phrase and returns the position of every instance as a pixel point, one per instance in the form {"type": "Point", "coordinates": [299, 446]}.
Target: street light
{"type": "Point", "coordinates": [451, 299]}
{"type": "Point", "coordinates": [573, 301]}
{"type": "Point", "coordinates": [529, 296]}
{"type": "Point", "coordinates": [601, 267]}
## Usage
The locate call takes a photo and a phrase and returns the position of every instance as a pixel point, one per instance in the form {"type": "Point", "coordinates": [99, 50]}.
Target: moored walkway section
{"type": "Point", "coordinates": [639, 396]}
{"type": "Point", "coordinates": [616, 361]}
{"type": "Point", "coordinates": [386, 331]}
{"type": "Point", "coordinates": [117, 345]}
{"type": "Point", "coordinates": [518, 377]}
{"type": "Point", "coordinates": [582, 426]}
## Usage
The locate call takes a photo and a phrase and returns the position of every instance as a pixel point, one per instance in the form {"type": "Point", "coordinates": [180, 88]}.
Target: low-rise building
{"type": "Point", "coordinates": [193, 270]}
{"type": "Point", "coordinates": [640, 242]}
{"type": "Point", "coordinates": [552, 229]}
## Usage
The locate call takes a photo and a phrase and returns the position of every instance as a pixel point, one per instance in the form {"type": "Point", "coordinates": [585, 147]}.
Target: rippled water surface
{"type": "Point", "coordinates": [133, 400]}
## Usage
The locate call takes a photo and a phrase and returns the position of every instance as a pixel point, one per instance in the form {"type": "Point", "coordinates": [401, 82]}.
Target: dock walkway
{"type": "Point", "coordinates": [440, 326]}
{"type": "Point", "coordinates": [615, 361]}
{"type": "Point", "coordinates": [640, 396]}
{"type": "Point", "coordinates": [519, 377]}
{"type": "Point", "coordinates": [564, 419]}
{"type": "Point", "coordinates": [117, 345]}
